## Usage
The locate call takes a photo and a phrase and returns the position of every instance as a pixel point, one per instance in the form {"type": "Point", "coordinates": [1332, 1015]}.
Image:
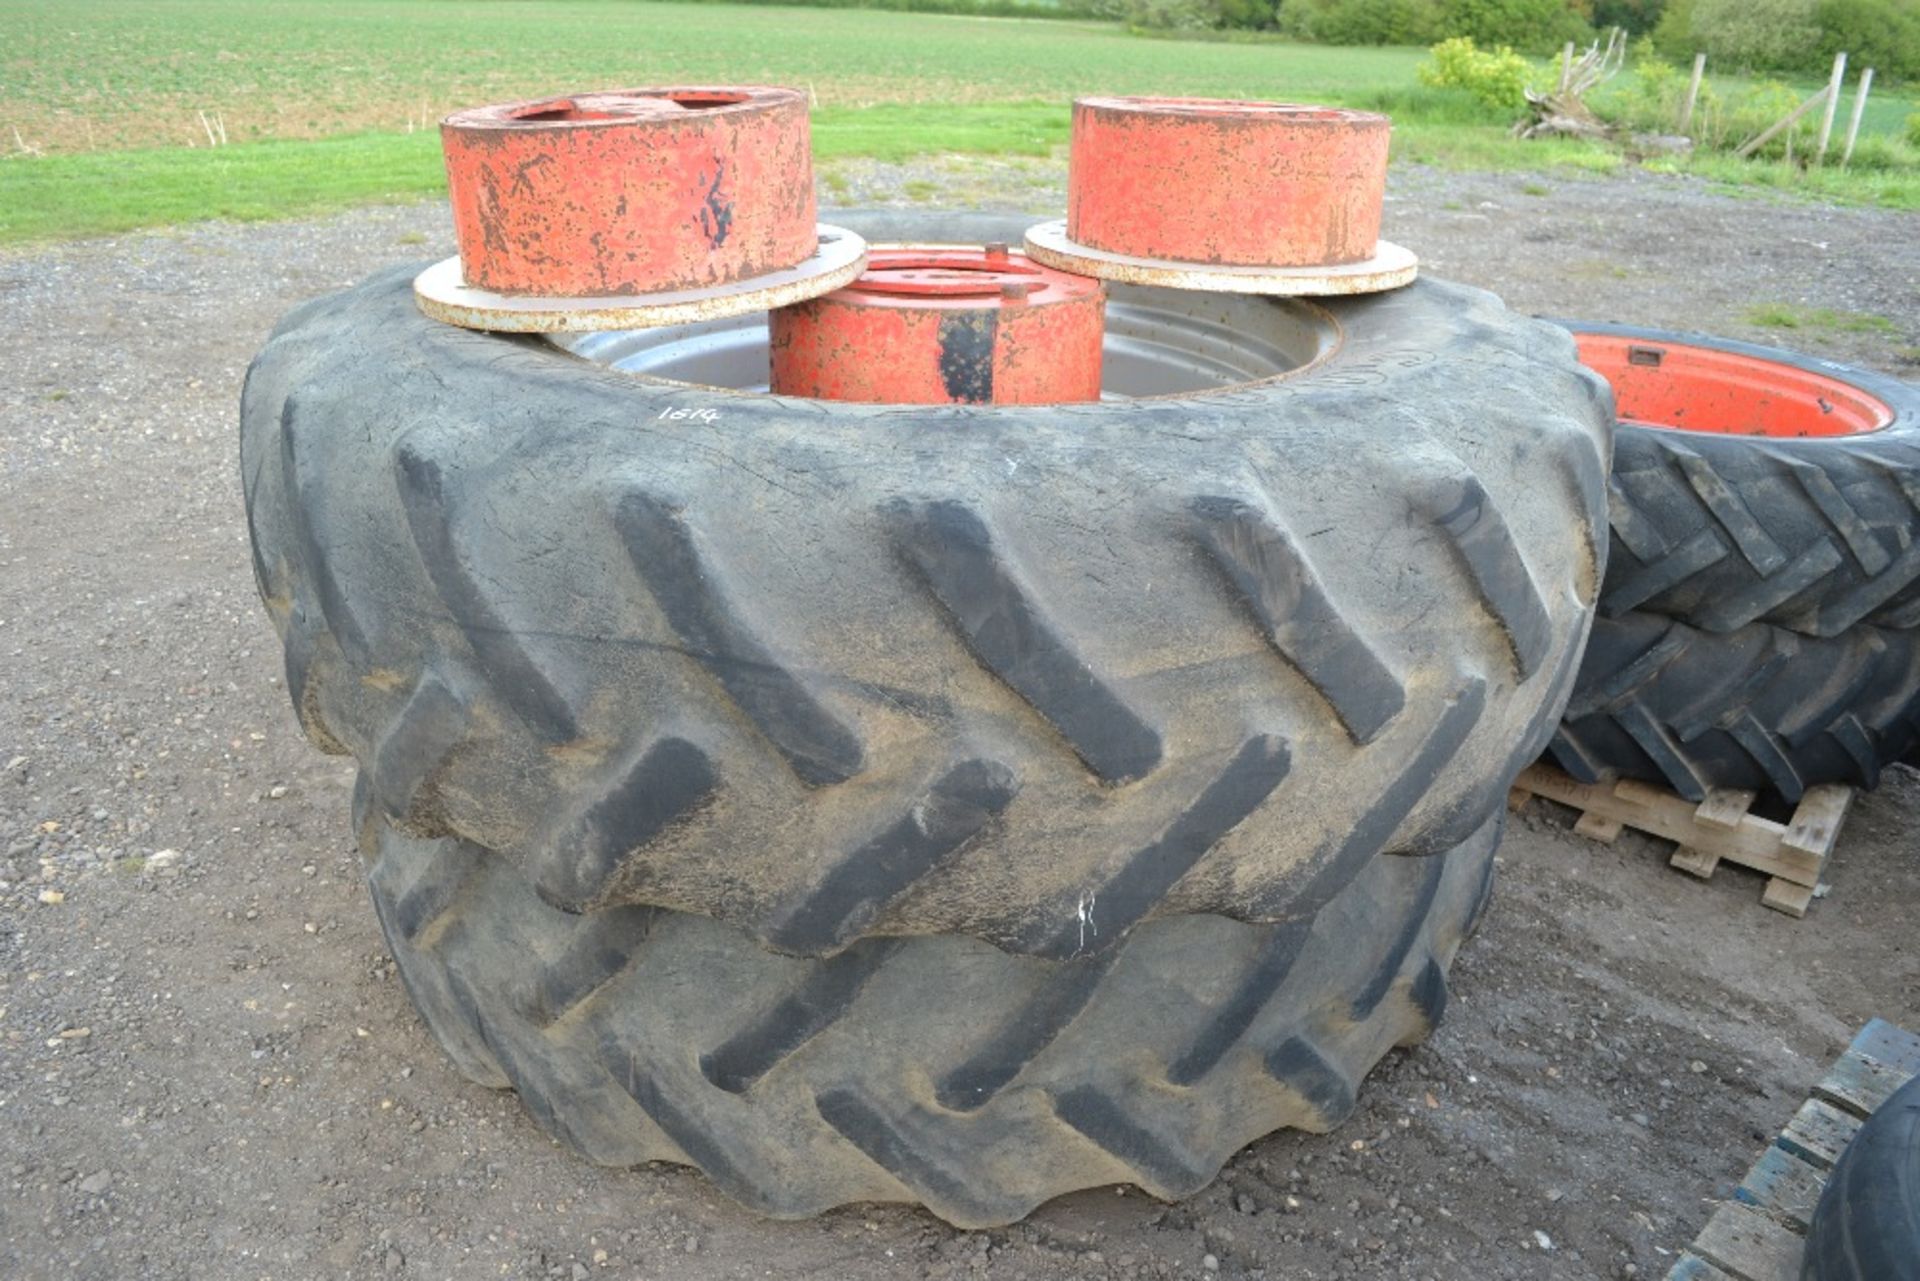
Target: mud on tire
{"type": "Point", "coordinates": [827, 671]}
{"type": "Point", "coordinates": [933, 1070]}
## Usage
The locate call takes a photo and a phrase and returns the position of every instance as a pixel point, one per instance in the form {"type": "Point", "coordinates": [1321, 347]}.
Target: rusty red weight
{"type": "Point", "coordinates": [941, 325]}
{"type": "Point", "coordinates": [633, 191]}
{"type": "Point", "coordinates": [1254, 184]}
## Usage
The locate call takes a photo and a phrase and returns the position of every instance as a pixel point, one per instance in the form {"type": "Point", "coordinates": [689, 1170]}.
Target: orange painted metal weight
{"type": "Point", "coordinates": [634, 191]}
{"type": "Point", "coordinates": [1243, 184]}
{"type": "Point", "coordinates": [940, 325]}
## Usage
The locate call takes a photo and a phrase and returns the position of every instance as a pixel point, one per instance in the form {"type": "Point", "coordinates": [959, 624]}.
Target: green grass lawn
{"type": "Point", "coordinates": [137, 72]}
{"type": "Point", "coordinates": [327, 105]}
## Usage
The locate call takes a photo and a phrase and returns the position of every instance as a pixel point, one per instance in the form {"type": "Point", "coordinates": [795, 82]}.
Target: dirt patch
{"type": "Point", "coordinates": [208, 1069]}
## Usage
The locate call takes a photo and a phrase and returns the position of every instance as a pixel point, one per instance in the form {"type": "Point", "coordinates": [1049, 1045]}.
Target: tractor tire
{"type": "Point", "coordinates": [1760, 709]}
{"type": "Point", "coordinates": [1757, 626]}
{"type": "Point", "coordinates": [1773, 487]}
{"type": "Point", "coordinates": [1034, 675]}
{"type": "Point", "coordinates": [932, 1070]}
{"type": "Point", "coordinates": [1866, 1226]}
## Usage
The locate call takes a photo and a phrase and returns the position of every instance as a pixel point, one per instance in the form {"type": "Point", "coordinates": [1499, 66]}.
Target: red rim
{"type": "Point", "coordinates": [1684, 387]}
{"type": "Point", "coordinates": [631, 191]}
{"type": "Point", "coordinates": [939, 325]}
{"type": "Point", "coordinates": [1211, 181]}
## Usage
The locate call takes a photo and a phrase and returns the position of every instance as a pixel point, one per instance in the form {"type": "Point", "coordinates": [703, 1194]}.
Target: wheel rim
{"type": "Point", "coordinates": [1159, 342]}
{"type": "Point", "coordinates": [1686, 387]}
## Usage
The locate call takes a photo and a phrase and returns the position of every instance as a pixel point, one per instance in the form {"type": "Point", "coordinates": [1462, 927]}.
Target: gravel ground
{"type": "Point", "coordinates": [208, 1068]}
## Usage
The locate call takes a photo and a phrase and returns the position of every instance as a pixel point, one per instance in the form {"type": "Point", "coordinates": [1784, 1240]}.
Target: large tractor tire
{"type": "Point", "coordinates": [1034, 675]}
{"type": "Point", "coordinates": [1866, 1226]}
{"type": "Point", "coordinates": [1752, 484]}
{"type": "Point", "coordinates": [1760, 623]}
{"type": "Point", "coordinates": [937, 1070]}
{"type": "Point", "coordinates": [1758, 709]}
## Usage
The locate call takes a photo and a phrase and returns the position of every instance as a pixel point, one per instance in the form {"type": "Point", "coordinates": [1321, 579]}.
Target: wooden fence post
{"type": "Point", "coordinates": [1859, 108]}
{"type": "Point", "coordinates": [1693, 92]}
{"type": "Point", "coordinates": [1833, 100]}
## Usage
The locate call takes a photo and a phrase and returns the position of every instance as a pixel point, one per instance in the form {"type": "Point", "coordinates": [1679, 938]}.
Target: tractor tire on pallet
{"type": "Point", "coordinates": [1758, 485]}
{"type": "Point", "coordinates": [1758, 709]}
{"type": "Point", "coordinates": [1758, 623]}
{"type": "Point", "coordinates": [1035, 675]}
{"type": "Point", "coordinates": [940, 1070]}
{"type": "Point", "coordinates": [1866, 1226]}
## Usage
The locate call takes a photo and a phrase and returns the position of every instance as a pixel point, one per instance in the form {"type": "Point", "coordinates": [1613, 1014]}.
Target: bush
{"type": "Point", "coordinates": [1913, 130]}
{"type": "Point", "coordinates": [1648, 101]}
{"type": "Point", "coordinates": [1162, 15]}
{"type": "Point", "coordinates": [1726, 126]}
{"type": "Point", "coordinates": [1497, 77]}
{"type": "Point", "coordinates": [1522, 24]}
{"type": "Point", "coordinates": [1673, 34]}
{"type": "Point", "coordinates": [1772, 35]}
{"type": "Point", "coordinates": [1881, 153]}
{"type": "Point", "coordinates": [1247, 15]}
{"type": "Point", "coordinates": [1637, 16]}
{"type": "Point", "coordinates": [1361, 21]}
{"type": "Point", "coordinates": [1882, 34]}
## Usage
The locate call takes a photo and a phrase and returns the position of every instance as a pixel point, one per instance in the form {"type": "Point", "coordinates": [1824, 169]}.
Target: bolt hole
{"type": "Point", "coordinates": [562, 111]}
{"type": "Point", "coordinates": [707, 102]}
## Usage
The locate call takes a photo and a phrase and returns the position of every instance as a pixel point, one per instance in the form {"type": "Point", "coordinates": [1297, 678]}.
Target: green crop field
{"type": "Point", "coordinates": [109, 109]}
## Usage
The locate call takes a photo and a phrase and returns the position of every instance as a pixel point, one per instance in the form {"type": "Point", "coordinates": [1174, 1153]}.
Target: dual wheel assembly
{"type": "Point", "coordinates": [879, 715]}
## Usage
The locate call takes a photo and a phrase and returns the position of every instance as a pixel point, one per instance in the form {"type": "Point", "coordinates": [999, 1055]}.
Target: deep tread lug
{"type": "Point", "coordinates": [951, 812]}
{"type": "Point", "coordinates": [665, 785]}
{"type": "Point", "coordinates": [1298, 1065]}
{"type": "Point", "coordinates": [1157, 1161]}
{"type": "Point", "coordinates": [821, 749]}
{"type": "Point", "coordinates": [503, 655]}
{"type": "Point", "coordinates": [1008, 632]}
{"type": "Point", "coordinates": [1105, 912]}
{"type": "Point", "coordinates": [1468, 518]}
{"type": "Point", "coordinates": [1302, 623]}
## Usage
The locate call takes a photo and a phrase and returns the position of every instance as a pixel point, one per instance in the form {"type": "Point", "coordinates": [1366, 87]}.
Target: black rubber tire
{"type": "Point", "coordinates": [829, 670]}
{"type": "Point", "coordinates": [1682, 683]}
{"type": "Point", "coordinates": [1761, 708]}
{"type": "Point", "coordinates": [1814, 534]}
{"type": "Point", "coordinates": [933, 1070]}
{"type": "Point", "coordinates": [1866, 1226]}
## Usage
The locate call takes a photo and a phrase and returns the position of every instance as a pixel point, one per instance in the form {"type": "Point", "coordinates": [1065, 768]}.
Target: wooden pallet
{"type": "Point", "coordinates": [1718, 829]}
{"type": "Point", "coordinates": [1760, 1235]}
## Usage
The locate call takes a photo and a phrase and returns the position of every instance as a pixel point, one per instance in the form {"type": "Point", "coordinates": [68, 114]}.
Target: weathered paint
{"type": "Point", "coordinates": [1207, 181]}
{"type": "Point", "coordinates": [632, 191]}
{"type": "Point", "coordinates": [1688, 388]}
{"type": "Point", "coordinates": [943, 325]}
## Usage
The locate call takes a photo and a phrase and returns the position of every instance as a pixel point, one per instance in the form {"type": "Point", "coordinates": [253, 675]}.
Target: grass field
{"type": "Point", "coordinates": [105, 105]}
